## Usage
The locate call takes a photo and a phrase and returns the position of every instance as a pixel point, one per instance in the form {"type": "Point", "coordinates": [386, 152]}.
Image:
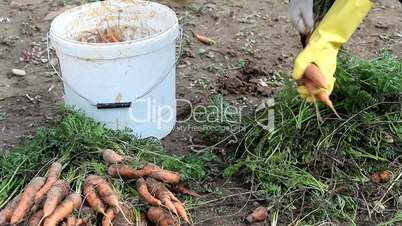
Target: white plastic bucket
{"type": "Point", "coordinates": [126, 84]}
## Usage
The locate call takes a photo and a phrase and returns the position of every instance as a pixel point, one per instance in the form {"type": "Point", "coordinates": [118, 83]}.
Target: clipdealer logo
{"type": "Point", "coordinates": [220, 113]}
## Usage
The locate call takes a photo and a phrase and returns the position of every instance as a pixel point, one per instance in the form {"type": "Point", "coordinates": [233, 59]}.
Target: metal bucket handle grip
{"type": "Point", "coordinates": [113, 105]}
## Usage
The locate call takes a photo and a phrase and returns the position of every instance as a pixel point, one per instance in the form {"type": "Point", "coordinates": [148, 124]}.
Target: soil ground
{"type": "Point", "coordinates": [254, 40]}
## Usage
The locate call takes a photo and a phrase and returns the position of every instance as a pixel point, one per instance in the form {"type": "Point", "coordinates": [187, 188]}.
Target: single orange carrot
{"type": "Point", "coordinates": [166, 176]}
{"type": "Point", "coordinates": [181, 211]}
{"type": "Point", "coordinates": [53, 175]}
{"type": "Point", "coordinates": [27, 200]}
{"type": "Point", "coordinates": [118, 170]}
{"type": "Point", "coordinates": [204, 39]}
{"type": "Point", "coordinates": [65, 209]}
{"type": "Point", "coordinates": [57, 193]}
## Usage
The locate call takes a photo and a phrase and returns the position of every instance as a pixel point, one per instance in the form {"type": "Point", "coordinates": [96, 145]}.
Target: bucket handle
{"type": "Point", "coordinates": [112, 105]}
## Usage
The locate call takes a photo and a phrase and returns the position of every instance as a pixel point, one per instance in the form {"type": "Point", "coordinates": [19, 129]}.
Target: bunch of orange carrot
{"type": "Point", "coordinates": [46, 201]}
{"type": "Point", "coordinates": [153, 185]}
{"type": "Point", "coordinates": [50, 201]}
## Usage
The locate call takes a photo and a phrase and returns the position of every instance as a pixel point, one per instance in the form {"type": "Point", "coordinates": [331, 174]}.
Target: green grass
{"type": "Point", "coordinates": [315, 171]}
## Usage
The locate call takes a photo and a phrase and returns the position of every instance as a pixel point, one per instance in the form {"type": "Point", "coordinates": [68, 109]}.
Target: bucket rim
{"type": "Point", "coordinates": [171, 29]}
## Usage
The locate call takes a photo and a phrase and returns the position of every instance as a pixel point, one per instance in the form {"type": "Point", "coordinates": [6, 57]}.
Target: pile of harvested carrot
{"type": "Point", "coordinates": [50, 201]}
{"type": "Point", "coordinates": [153, 185]}
{"type": "Point", "coordinates": [44, 201]}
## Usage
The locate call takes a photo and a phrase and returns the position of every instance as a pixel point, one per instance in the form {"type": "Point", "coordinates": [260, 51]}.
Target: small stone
{"type": "Point", "coordinates": [18, 72]}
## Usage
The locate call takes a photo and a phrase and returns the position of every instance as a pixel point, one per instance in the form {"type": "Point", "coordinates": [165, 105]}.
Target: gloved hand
{"type": "Point", "coordinates": [301, 15]}
{"type": "Point", "coordinates": [334, 30]}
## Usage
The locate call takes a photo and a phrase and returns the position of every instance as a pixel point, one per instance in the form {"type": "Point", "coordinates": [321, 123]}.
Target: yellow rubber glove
{"type": "Point", "coordinates": [334, 30]}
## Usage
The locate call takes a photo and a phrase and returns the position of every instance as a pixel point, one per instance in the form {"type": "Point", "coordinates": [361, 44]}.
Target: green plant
{"type": "Point", "coordinates": [312, 156]}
